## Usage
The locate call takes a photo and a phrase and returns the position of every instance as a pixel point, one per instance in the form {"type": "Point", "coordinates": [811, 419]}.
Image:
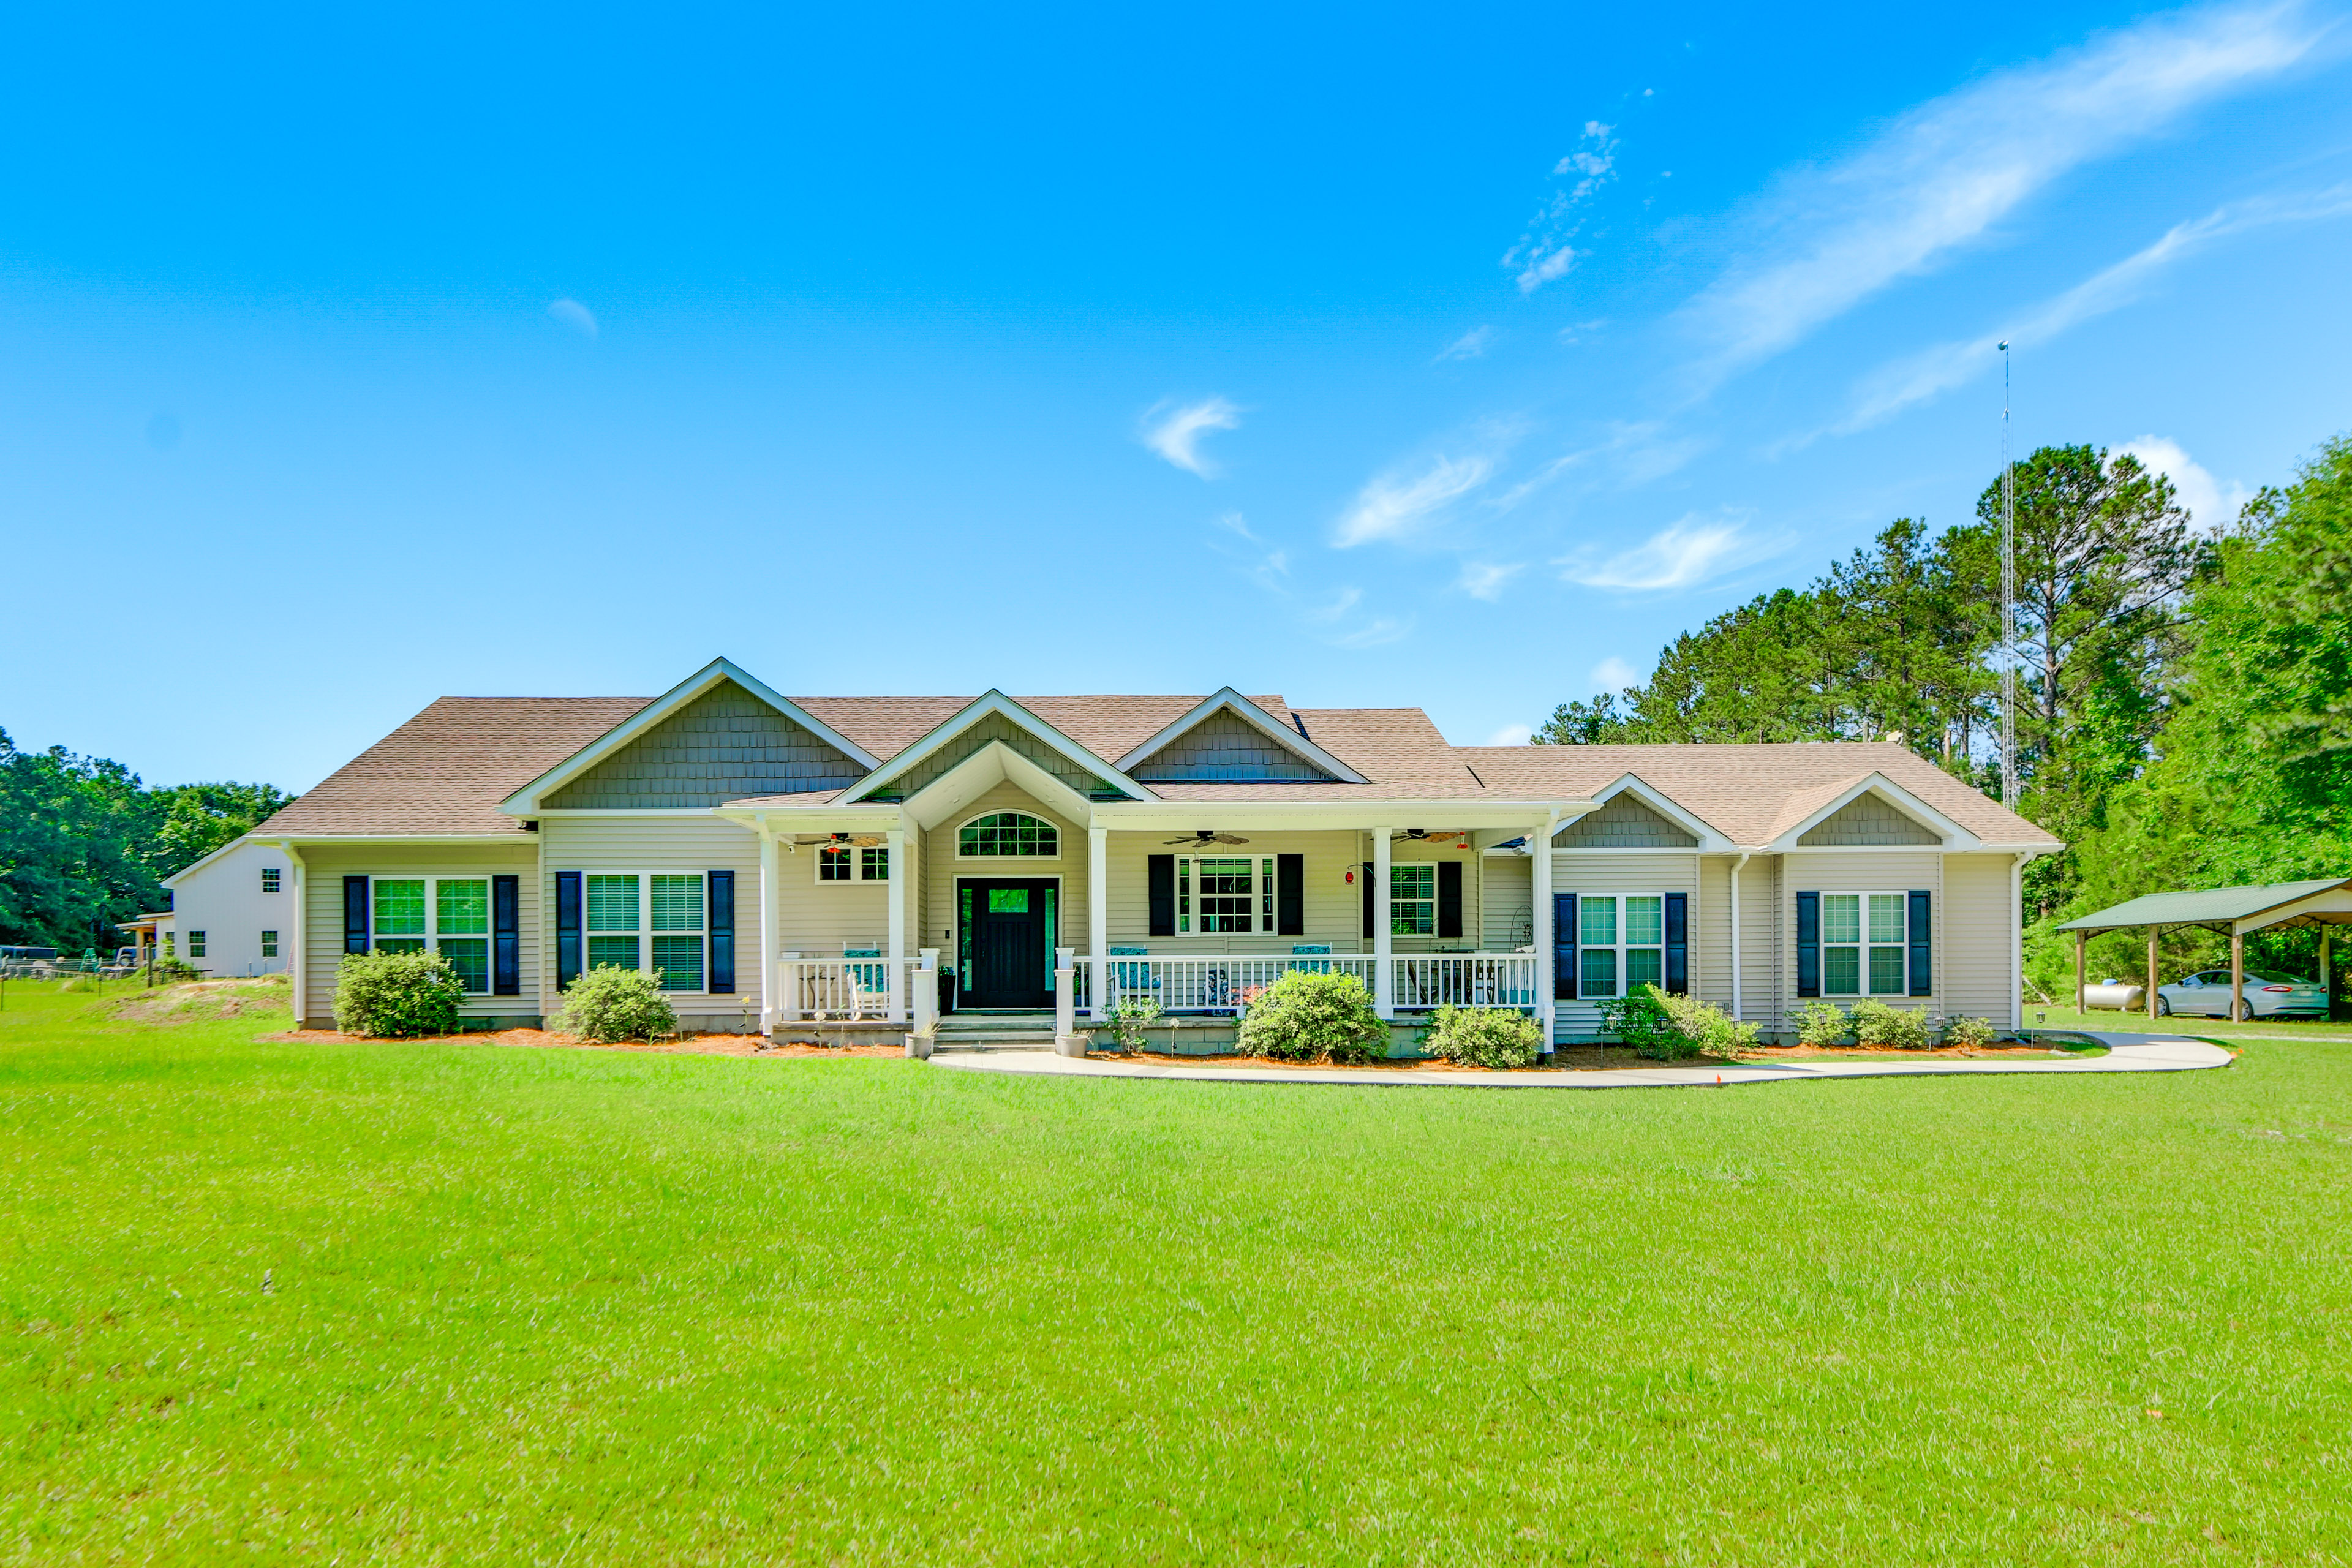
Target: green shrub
{"type": "Point", "coordinates": [397, 996]}
{"type": "Point", "coordinates": [610, 1003]}
{"type": "Point", "coordinates": [1483, 1036]}
{"type": "Point", "coordinates": [1640, 1019]}
{"type": "Point", "coordinates": [1716, 1032]}
{"type": "Point", "coordinates": [1821, 1024]}
{"type": "Point", "coordinates": [1131, 1019]}
{"type": "Point", "coordinates": [1309, 1016]}
{"type": "Point", "coordinates": [1877, 1022]}
{"type": "Point", "coordinates": [169, 971]}
{"type": "Point", "coordinates": [1961, 1030]}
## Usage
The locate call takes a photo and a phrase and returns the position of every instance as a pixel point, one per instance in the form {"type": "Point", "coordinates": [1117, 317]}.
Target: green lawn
{"type": "Point", "coordinates": [2065, 1017]}
{"type": "Point", "coordinates": [589, 1307]}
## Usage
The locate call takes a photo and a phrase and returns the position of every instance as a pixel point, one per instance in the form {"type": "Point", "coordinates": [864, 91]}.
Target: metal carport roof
{"type": "Point", "coordinates": [2232, 907]}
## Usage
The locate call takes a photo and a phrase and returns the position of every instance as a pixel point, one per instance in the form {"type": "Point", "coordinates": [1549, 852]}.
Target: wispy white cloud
{"type": "Point", "coordinates": [1484, 579]}
{"type": "Point", "coordinates": [1374, 632]}
{"type": "Point", "coordinates": [1937, 369]}
{"type": "Point", "coordinates": [1942, 175]}
{"type": "Point", "coordinates": [2210, 502]}
{"type": "Point", "coordinates": [575, 315]}
{"type": "Point", "coordinates": [1547, 250]}
{"type": "Point", "coordinates": [1470, 344]}
{"type": "Point", "coordinates": [1176, 433]}
{"type": "Point", "coordinates": [1394, 505]}
{"type": "Point", "coordinates": [1341, 601]}
{"type": "Point", "coordinates": [1511, 735]}
{"type": "Point", "coordinates": [1682, 555]}
{"type": "Point", "coordinates": [1613, 674]}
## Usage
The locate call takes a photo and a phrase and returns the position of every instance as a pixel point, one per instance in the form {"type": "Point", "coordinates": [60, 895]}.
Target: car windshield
{"type": "Point", "coordinates": [2269, 977]}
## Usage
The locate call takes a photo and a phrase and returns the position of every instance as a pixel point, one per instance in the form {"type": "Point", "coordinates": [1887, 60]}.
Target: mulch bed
{"type": "Point", "coordinates": [547, 1039]}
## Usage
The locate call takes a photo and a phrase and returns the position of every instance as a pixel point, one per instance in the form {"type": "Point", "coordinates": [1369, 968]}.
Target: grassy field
{"type": "Point", "coordinates": [2066, 1018]}
{"type": "Point", "coordinates": [472, 1303]}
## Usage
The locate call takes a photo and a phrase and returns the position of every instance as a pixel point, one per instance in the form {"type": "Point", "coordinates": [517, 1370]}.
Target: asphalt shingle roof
{"type": "Point", "coordinates": [446, 770]}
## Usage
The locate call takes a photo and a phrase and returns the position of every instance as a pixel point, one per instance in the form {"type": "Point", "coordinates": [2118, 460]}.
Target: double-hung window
{"type": "Point", "coordinates": [853, 863]}
{"type": "Point", "coordinates": [1864, 940]}
{"type": "Point", "coordinates": [1225, 893]}
{"type": "Point", "coordinates": [655, 922]}
{"type": "Point", "coordinates": [196, 944]}
{"type": "Point", "coordinates": [1412, 899]}
{"type": "Point", "coordinates": [269, 879]}
{"type": "Point", "coordinates": [269, 944]}
{"type": "Point", "coordinates": [1621, 942]}
{"type": "Point", "coordinates": [449, 915]}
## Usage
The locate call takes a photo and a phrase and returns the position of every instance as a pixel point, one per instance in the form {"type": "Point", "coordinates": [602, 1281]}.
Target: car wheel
{"type": "Point", "coordinates": [2163, 1006]}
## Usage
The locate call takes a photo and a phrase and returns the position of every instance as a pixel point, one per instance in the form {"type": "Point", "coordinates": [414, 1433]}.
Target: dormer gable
{"type": "Point", "coordinates": [997, 720]}
{"type": "Point", "coordinates": [1228, 739]}
{"type": "Point", "coordinates": [1625, 822]}
{"type": "Point", "coordinates": [1868, 819]}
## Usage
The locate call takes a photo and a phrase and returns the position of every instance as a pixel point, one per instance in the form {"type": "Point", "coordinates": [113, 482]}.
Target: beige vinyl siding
{"type": "Point", "coordinates": [1507, 902]}
{"type": "Point", "coordinates": [1332, 907]}
{"type": "Point", "coordinates": [1617, 874]}
{"type": "Point", "coordinates": [326, 864]}
{"type": "Point", "coordinates": [648, 844]}
{"type": "Point", "coordinates": [936, 916]}
{"type": "Point", "coordinates": [1973, 955]}
{"type": "Point", "coordinates": [1860, 871]}
{"type": "Point", "coordinates": [1710, 936]}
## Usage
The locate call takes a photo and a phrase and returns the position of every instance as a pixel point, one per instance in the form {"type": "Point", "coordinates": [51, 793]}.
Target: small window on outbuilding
{"type": "Point", "coordinates": [269, 879]}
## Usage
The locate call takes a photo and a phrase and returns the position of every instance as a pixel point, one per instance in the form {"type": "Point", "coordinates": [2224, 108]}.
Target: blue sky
{"type": "Point", "coordinates": [1372, 356]}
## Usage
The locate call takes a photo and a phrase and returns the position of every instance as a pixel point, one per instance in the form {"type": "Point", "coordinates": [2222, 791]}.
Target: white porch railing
{"type": "Point", "coordinates": [1223, 983]}
{"type": "Point", "coordinates": [845, 990]}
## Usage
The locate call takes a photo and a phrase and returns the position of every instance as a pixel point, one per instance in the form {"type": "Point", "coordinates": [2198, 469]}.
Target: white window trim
{"type": "Point", "coordinates": [1620, 947]}
{"type": "Point", "coordinates": [1266, 911]}
{"type": "Point", "coordinates": [1013, 859]}
{"type": "Point", "coordinates": [432, 934]}
{"type": "Point", "coordinates": [1902, 947]}
{"type": "Point", "coordinates": [645, 933]}
{"type": "Point", "coordinates": [269, 944]}
{"type": "Point", "coordinates": [1395, 902]}
{"type": "Point", "coordinates": [272, 878]}
{"type": "Point", "coordinates": [196, 944]}
{"type": "Point", "coordinates": [858, 877]}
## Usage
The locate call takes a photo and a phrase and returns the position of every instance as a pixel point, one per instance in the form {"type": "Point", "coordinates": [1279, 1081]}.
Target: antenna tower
{"type": "Point", "coordinates": [2008, 601]}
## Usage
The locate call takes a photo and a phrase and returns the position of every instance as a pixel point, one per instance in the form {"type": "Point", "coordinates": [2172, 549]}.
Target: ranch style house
{"type": "Point", "coordinates": [797, 864]}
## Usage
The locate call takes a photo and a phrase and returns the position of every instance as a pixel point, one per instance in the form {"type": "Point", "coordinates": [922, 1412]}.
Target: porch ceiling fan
{"type": "Point", "coordinates": [840, 840]}
{"type": "Point", "coordinates": [1202, 838]}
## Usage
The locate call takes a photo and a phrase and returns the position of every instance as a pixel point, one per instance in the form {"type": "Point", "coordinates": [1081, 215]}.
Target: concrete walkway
{"type": "Point", "coordinates": [2125, 1053]}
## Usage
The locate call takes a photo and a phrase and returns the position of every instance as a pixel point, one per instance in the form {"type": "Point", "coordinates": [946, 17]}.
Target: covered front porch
{"type": "Point", "coordinates": [997, 888]}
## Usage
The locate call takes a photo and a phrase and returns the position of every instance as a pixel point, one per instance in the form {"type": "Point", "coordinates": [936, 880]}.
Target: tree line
{"type": "Point", "coordinates": [2184, 718]}
{"type": "Point", "coordinates": [84, 844]}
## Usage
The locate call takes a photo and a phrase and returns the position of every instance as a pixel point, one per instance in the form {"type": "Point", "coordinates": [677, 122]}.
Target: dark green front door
{"type": "Point", "coordinates": [1007, 945]}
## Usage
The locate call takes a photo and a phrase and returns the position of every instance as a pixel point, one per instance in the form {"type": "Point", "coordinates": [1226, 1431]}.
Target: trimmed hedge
{"type": "Point", "coordinates": [398, 996]}
{"type": "Point", "coordinates": [1308, 1016]}
{"type": "Point", "coordinates": [610, 1003]}
{"type": "Point", "coordinates": [1485, 1036]}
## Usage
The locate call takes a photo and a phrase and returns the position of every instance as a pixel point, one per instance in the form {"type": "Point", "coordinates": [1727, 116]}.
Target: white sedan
{"type": "Point", "coordinates": [2206, 994]}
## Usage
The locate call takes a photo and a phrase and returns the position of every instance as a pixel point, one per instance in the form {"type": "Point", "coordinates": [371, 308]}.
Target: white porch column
{"type": "Point", "coordinates": [300, 962]}
{"type": "Point", "coordinates": [1547, 1009]}
{"type": "Point", "coordinates": [1383, 941]}
{"type": "Point", "coordinates": [2017, 946]}
{"type": "Point", "coordinates": [1736, 865]}
{"type": "Point", "coordinates": [1097, 917]}
{"type": "Point", "coordinates": [897, 839]}
{"type": "Point", "coordinates": [768, 916]}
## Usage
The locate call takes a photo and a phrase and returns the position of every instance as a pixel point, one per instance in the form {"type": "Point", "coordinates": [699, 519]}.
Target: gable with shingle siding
{"type": "Point", "coordinates": [990, 728]}
{"type": "Point", "coordinates": [722, 746]}
{"type": "Point", "coordinates": [1224, 747]}
{"type": "Point", "coordinates": [1867, 819]}
{"type": "Point", "coordinates": [1626, 824]}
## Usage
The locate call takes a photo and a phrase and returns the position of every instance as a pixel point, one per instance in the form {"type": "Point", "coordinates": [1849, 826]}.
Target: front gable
{"type": "Point", "coordinates": [1867, 819]}
{"type": "Point", "coordinates": [723, 745]}
{"type": "Point", "coordinates": [1224, 748]}
{"type": "Point", "coordinates": [993, 721]}
{"type": "Point", "coordinates": [1625, 823]}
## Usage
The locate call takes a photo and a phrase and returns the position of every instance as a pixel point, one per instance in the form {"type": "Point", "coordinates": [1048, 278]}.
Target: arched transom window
{"type": "Point", "coordinates": [1008, 834]}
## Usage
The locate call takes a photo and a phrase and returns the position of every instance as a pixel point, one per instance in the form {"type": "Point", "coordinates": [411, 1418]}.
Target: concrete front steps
{"type": "Point", "coordinates": [961, 1033]}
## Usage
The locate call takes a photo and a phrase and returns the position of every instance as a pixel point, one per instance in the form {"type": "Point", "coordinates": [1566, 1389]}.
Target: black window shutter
{"type": "Point", "coordinates": [1809, 944]}
{"type": "Point", "coordinates": [506, 936]}
{"type": "Point", "coordinates": [1449, 898]}
{"type": "Point", "coordinates": [1290, 895]}
{"type": "Point", "coordinates": [355, 914]}
{"type": "Point", "coordinates": [567, 927]}
{"type": "Point", "coordinates": [722, 933]}
{"type": "Point", "coordinates": [1563, 946]}
{"type": "Point", "coordinates": [1923, 948]}
{"type": "Point", "coordinates": [1678, 944]}
{"type": "Point", "coordinates": [1163, 885]}
{"type": "Point", "coordinates": [1364, 875]}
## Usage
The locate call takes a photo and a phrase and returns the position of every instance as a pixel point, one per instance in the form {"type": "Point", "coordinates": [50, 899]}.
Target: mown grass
{"type": "Point", "coordinates": [549, 1306]}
